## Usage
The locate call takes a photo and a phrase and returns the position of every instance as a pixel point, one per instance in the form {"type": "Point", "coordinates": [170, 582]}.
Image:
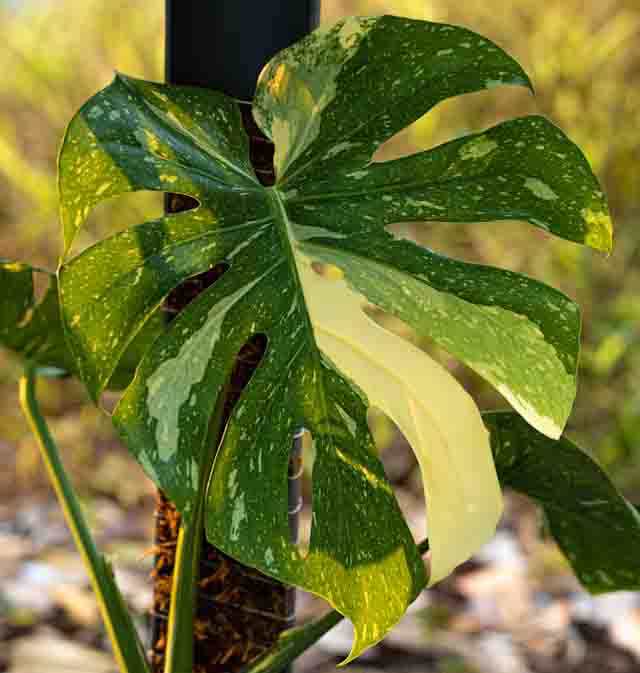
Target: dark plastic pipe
{"type": "Point", "coordinates": [223, 44]}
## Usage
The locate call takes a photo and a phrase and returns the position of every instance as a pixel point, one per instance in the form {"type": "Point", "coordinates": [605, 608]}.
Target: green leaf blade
{"type": "Point", "coordinates": [164, 416]}
{"type": "Point", "coordinates": [136, 135]}
{"type": "Point", "coordinates": [315, 98]}
{"type": "Point", "coordinates": [594, 526]}
{"type": "Point", "coordinates": [503, 325]}
{"type": "Point", "coordinates": [28, 327]}
{"type": "Point", "coordinates": [326, 361]}
{"type": "Point", "coordinates": [110, 291]}
{"type": "Point", "coordinates": [523, 169]}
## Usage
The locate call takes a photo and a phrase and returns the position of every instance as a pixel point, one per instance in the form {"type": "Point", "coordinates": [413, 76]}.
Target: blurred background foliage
{"type": "Point", "coordinates": [584, 59]}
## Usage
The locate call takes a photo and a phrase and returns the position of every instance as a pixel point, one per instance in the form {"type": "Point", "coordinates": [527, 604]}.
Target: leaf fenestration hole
{"type": "Point", "coordinates": [188, 290]}
{"type": "Point", "coordinates": [434, 127]}
{"type": "Point", "coordinates": [497, 243]}
{"type": "Point", "coordinates": [247, 361]}
{"type": "Point", "coordinates": [402, 329]}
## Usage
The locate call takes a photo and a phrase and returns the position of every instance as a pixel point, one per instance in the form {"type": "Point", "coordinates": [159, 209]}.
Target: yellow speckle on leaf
{"type": "Point", "coordinates": [352, 30]}
{"type": "Point", "coordinates": [277, 82]}
{"type": "Point", "coordinates": [13, 267]}
{"type": "Point", "coordinates": [152, 140]}
{"type": "Point", "coordinates": [599, 230]}
{"type": "Point", "coordinates": [333, 272]}
{"type": "Point", "coordinates": [478, 148]}
{"type": "Point", "coordinates": [159, 95]}
{"type": "Point", "coordinates": [540, 189]}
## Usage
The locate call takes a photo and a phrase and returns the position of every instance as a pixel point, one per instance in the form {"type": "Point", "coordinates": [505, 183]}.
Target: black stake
{"type": "Point", "coordinates": [223, 45]}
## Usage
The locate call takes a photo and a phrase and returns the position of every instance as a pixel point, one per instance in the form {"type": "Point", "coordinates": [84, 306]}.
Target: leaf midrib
{"type": "Point", "coordinates": [283, 226]}
{"type": "Point", "coordinates": [165, 120]}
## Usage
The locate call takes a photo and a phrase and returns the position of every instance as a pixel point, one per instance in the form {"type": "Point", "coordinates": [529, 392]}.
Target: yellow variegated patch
{"type": "Point", "coordinates": [436, 415]}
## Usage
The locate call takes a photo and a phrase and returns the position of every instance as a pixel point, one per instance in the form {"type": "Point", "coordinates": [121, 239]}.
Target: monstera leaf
{"type": "Point", "coordinates": [596, 528]}
{"type": "Point", "coordinates": [32, 329]}
{"type": "Point", "coordinates": [28, 327]}
{"type": "Point", "coordinates": [303, 258]}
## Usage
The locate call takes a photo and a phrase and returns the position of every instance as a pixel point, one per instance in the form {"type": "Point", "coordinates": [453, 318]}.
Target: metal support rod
{"type": "Point", "coordinates": [223, 45]}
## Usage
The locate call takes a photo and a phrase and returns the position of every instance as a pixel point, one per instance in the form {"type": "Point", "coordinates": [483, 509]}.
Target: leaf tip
{"type": "Point", "coordinates": [529, 84]}
{"type": "Point", "coordinates": [360, 644]}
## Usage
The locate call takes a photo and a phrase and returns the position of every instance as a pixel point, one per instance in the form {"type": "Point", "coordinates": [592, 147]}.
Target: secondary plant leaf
{"type": "Point", "coordinates": [29, 328]}
{"type": "Point", "coordinates": [594, 526]}
{"type": "Point", "coordinates": [127, 648]}
{"type": "Point", "coordinates": [33, 330]}
{"type": "Point", "coordinates": [326, 361]}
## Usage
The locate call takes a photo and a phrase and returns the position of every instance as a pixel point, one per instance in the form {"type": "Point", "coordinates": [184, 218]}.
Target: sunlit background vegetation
{"type": "Point", "coordinates": [584, 59]}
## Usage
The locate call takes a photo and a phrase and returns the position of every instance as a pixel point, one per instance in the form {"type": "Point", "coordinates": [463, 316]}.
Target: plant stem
{"type": "Point", "coordinates": [186, 574]}
{"type": "Point", "coordinates": [127, 648]}
{"type": "Point", "coordinates": [179, 653]}
{"type": "Point", "coordinates": [293, 643]}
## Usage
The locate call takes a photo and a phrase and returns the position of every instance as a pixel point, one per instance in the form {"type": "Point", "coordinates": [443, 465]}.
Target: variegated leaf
{"type": "Point", "coordinates": [595, 527]}
{"type": "Point", "coordinates": [28, 327]}
{"type": "Point", "coordinates": [326, 360]}
{"type": "Point", "coordinates": [31, 328]}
